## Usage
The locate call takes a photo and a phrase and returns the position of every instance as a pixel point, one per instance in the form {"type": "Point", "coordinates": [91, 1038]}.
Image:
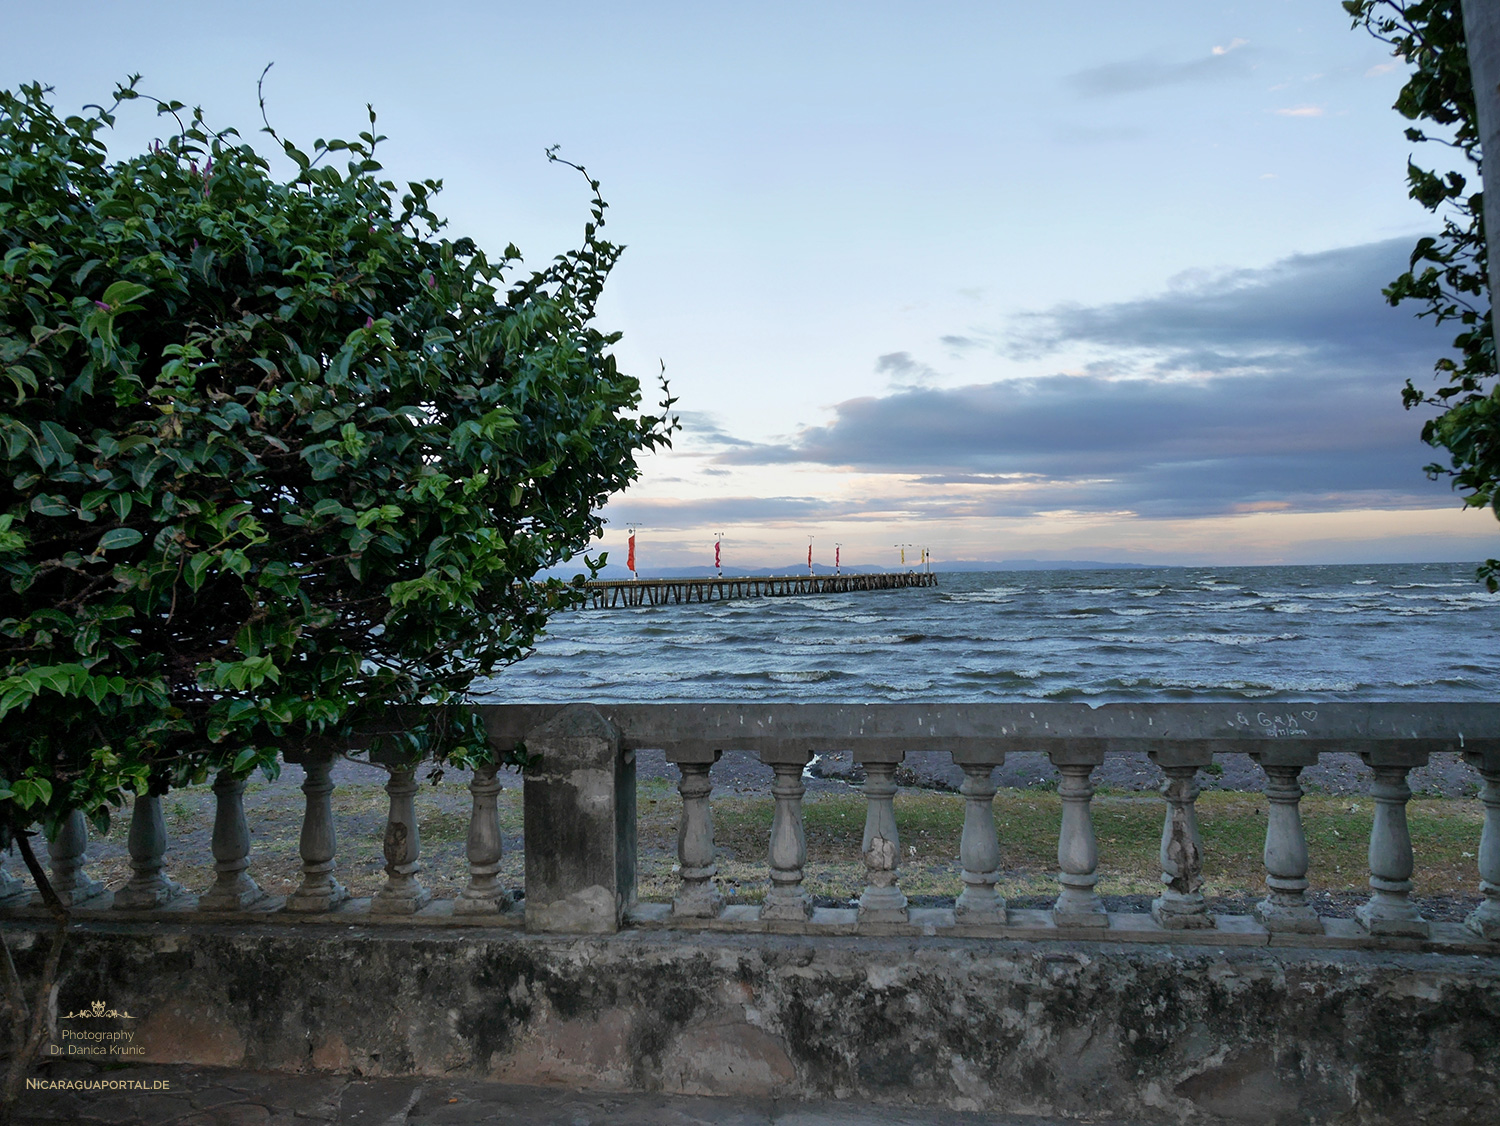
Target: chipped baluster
{"type": "Point", "coordinates": [698, 897]}
{"type": "Point", "coordinates": [484, 895]}
{"type": "Point", "coordinates": [233, 889]}
{"type": "Point", "coordinates": [1285, 907]}
{"type": "Point", "coordinates": [1484, 920]}
{"type": "Point", "coordinates": [1181, 905]}
{"type": "Point", "coordinates": [1077, 904]}
{"type": "Point", "coordinates": [402, 893]}
{"type": "Point", "coordinates": [1389, 909]}
{"type": "Point", "coordinates": [979, 849]}
{"type": "Point", "coordinates": [786, 900]}
{"type": "Point", "coordinates": [320, 889]}
{"type": "Point", "coordinates": [883, 901]}
{"type": "Point", "coordinates": [66, 851]}
{"type": "Point", "coordinates": [149, 885]}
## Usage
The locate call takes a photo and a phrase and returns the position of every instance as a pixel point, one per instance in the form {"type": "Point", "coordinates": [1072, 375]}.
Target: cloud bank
{"type": "Point", "coordinates": [1257, 390]}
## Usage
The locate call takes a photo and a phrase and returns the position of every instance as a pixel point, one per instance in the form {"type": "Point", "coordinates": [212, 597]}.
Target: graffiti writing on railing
{"type": "Point", "coordinates": [1278, 726]}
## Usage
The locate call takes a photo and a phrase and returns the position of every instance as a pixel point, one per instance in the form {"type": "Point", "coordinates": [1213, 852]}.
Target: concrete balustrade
{"type": "Point", "coordinates": [785, 899]}
{"type": "Point", "coordinates": [233, 888]}
{"type": "Point", "coordinates": [403, 892]}
{"type": "Point", "coordinates": [484, 895]}
{"type": "Point", "coordinates": [979, 849]}
{"type": "Point", "coordinates": [65, 850]}
{"type": "Point", "coordinates": [1485, 920]}
{"type": "Point", "coordinates": [1078, 904]}
{"type": "Point", "coordinates": [149, 884]}
{"type": "Point", "coordinates": [13, 890]}
{"type": "Point", "coordinates": [579, 802]}
{"type": "Point", "coordinates": [320, 890]}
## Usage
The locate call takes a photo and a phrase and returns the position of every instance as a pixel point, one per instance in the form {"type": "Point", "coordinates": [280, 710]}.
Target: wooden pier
{"type": "Point", "coordinates": [661, 592]}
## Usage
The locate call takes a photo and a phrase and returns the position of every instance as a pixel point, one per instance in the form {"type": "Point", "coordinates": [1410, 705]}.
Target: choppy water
{"type": "Point", "coordinates": [1375, 632]}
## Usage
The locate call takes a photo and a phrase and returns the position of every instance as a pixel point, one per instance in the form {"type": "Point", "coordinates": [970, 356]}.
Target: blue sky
{"type": "Point", "coordinates": [1073, 280]}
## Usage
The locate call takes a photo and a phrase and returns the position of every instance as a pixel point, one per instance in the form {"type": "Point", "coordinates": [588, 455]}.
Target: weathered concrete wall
{"type": "Point", "coordinates": [1195, 1033]}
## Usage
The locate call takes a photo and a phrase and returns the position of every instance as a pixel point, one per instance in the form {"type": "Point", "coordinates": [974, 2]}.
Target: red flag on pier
{"type": "Point", "coordinates": [716, 555]}
{"type": "Point", "coordinates": [809, 557]}
{"type": "Point", "coordinates": [835, 558]}
{"type": "Point", "coordinates": [630, 554]}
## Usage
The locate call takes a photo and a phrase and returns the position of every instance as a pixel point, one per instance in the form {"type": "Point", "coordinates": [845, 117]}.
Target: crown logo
{"type": "Point", "coordinates": [99, 1009]}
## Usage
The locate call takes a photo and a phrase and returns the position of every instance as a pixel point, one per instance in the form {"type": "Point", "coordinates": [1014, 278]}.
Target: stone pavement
{"type": "Point", "coordinates": [191, 1096]}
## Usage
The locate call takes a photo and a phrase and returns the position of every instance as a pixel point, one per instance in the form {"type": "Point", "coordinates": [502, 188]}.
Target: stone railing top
{"type": "Point", "coordinates": [1173, 732]}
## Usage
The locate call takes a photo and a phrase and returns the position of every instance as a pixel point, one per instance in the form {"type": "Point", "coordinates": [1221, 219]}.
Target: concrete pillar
{"type": "Point", "coordinates": [74, 886]}
{"type": "Point", "coordinates": [1078, 903]}
{"type": "Point", "coordinates": [1389, 909]}
{"type": "Point", "coordinates": [1484, 920]}
{"type": "Point", "coordinates": [979, 849]}
{"type": "Point", "coordinates": [233, 889]}
{"type": "Point", "coordinates": [320, 889]}
{"type": "Point", "coordinates": [786, 901]}
{"type": "Point", "coordinates": [1285, 907]}
{"type": "Point", "coordinates": [402, 893]}
{"type": "Point", "coordinates": [698, 898]}
{"type": "Point", "coordinates": [149, 885]}
{"type": "Point", "coordinates": [1181, 905]}
{"type": "Point", "coordinates": [580, 825]}
{"type": "Point", "coordinates": [1482, 38]}
{"type": "Point", "coordinates": [13, 891]}
{"type": "Point", "coordinates": [484, 895]}
{"type": "Point", "coordinates": [883, 900]}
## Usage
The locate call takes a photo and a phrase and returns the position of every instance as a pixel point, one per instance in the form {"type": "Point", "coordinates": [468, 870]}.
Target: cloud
{"type": "Point", "coordinates": [1300, 111]}
{"type": "Point", "coordinates": [702, 428]}
{"type": "Point", "coordinates": [1150, 73]}
{"type": "Point", "coordinates": [667, 513]}
{"type": "Point", "coordinates": [1256, 390]}
{"type": "Point", "coordinates": [903, 370]}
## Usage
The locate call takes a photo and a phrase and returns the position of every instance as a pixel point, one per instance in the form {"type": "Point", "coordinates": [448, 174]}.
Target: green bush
{"type": "Point", "coordinates": [276, 458]}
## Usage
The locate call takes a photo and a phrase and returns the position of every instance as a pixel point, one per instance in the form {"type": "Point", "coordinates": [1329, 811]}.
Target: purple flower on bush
{"type": "Point", "coordinates": [103, 305]}
{"type": "Point", "coordinates": [369, 322]}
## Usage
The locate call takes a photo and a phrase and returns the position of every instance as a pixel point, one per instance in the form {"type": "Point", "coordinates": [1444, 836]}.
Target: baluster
{"type": "Point", "coordinates": [1285, 907]}
{"type": "Point", "coordinates": [1484, 920]}
{"type": "Point", "coordinates": [883, 901]}
{"type": "Point", "coordinates": [149, 886]}
{"type": "Point", "coordinates": [13, 891]}
{"type": "Point", "coordinates": [1389, 909]}
{"type": "Point", "coordinates": [1077, 905]}
{"type": "Point", "coordinates": [786, 899]}
{"type": "Point", "coordinates": [233, 889]}
{"type": "Point", "coordinates": [320, 889]}
{"type": "Point", "coordinates": [402, 893]}
{"type": "Point", "coordinates": [66, 850]}
{"type": "Point", "coordinates": [1181, 905]}
{"type": "Point", "coordinates": [979, 849]}
{"type": "Point", "coordinates": [484, 895]}
{"type": "Point", "coordinates": [698, 897]}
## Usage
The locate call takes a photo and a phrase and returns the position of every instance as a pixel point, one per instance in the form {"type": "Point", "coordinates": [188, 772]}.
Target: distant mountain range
{"type": "Point", "coordinates": [614, 572]}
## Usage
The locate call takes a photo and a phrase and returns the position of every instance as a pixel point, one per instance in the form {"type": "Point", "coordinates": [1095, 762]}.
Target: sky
{"type": "Point", "coordinates": [1065, 281]}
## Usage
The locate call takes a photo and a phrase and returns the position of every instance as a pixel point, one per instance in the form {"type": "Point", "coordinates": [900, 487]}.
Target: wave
{"type": "Point", "coordinates": [804, 676]}
{"type": "Point", "coordinates": [1236, 639]}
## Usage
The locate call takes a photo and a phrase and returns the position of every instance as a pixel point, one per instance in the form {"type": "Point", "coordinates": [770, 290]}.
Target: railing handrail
{"type": "Point", "coordinates": [983, 728]}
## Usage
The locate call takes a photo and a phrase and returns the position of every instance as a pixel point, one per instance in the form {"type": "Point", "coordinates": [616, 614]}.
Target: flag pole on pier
{"type": "Point", "coordinates": [630, 554]}
{"type": "Point", "coordinates": [809, 555]}
{"type": "Point", "coordinates": [836, 548]}
{"type": "Point", "coordinates": [718, 540]}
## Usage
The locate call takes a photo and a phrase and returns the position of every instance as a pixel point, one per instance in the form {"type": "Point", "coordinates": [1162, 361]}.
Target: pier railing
{"type": "Point", "coordinates": [580, 846]}
{"type": "Point", "coordinates": [663, 592]}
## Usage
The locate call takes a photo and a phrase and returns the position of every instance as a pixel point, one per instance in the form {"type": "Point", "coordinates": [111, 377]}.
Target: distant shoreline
{"type": "Point", "coordinates": [957, 566]}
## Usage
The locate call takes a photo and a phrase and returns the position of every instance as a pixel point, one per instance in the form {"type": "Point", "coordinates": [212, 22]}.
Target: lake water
{"type": "Point", "coordinates": [1373, 632]}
